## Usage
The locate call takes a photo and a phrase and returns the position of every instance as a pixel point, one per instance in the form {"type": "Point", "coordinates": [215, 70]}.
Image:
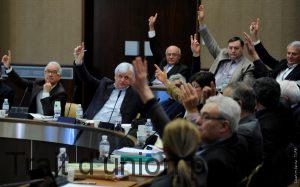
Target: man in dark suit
{"type": "Point", "coordinates": [170, 61]}
{"type": "Point", "coordinates": [285, 69]}
{"type": "Point", "coordinates": [43, 92]}
{"type": "Point", "coordinates": [222, 149]}
{"type": "Point", "coordinates": [114, 100]}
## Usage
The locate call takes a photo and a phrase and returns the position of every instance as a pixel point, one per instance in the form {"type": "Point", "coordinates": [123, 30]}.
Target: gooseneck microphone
{"type": "Point", "coordinates": [119, 94]}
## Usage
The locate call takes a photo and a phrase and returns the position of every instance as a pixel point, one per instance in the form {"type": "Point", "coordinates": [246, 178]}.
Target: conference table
{"type": "Point", "coordinates": [26, 144]}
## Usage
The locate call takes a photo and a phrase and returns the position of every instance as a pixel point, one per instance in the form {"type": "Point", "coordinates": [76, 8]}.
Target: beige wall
{"type": "Point", "coordinates": [280, 22]}
{"type": "Point", "coordinates": [38, 31]}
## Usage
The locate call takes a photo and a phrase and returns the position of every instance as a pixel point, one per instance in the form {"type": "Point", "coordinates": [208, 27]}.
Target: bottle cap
{"type": "Point", "coordinates": [104, 137]}
{"type": "Point", "coordinates": [62, 150]}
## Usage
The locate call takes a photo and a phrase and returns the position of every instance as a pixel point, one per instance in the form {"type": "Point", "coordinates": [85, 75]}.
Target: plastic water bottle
{"type": "Point", "coordinates": [104, 149]}
{"type": "Point", "coordinates": [57, 109]}
{"type": "Point", "coordinates": [5, 106]}
{"type": "Point", "coordinates": [148, 127]}
{"type": "Point", "coordinates": [62, 161]}
{"type": "Point", "coordinates": [79, 112]}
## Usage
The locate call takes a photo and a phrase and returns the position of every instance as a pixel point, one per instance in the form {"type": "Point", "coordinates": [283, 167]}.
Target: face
{"type": "Point", "coordinates": [123, 80]}
{"type": "Point", "coordinates": [210, 124]}
{"type": "Point", "coordinates": [293, 55]}
{"type": "Point", "coordinates": [227, 92]}
{"type": "Point", "coordinates": [51, 74]}
{"type": "Point", "coordinates": [172, 55]}
{"type": "Point", "coordinates": [235, 50]}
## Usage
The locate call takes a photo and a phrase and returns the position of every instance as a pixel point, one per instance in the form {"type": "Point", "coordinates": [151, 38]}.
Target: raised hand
{"type": "Point", "coordinates": [195, 46]}
{"type": "Point", "coordinates": [79, 53]}
{"type": "Point", "coordinates": [250, 47]}
{"type": "Point", "coordinates": [161, 75]}
{"type": "Point", "coordinates": [208, 92]}
{"type": "Point", "coordinates": [6, 59]}
{"type": "Point", "coordinates": [140, 83]}
{"type": "Point", "coordinates": [201, 14]}
{"type": "Point", "coordinates": [189, 98]}
{"type": "Point", "coordinates": [152, 21]}
{"type": "Point", "coordinates": [254, 26]}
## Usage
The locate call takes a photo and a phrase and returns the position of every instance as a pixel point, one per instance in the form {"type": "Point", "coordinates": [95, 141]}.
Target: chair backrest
{"type": "Point", "coordinates": [70, 110]}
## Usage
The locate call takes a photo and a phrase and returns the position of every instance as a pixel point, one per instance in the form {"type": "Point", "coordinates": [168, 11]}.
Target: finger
{"type": "Point", "coordinates": [201, 8]}
{"type": "Point", "coordinates": [157, 67]}
{"type": "Point", "coordinates": [82, 45]}
{"type": "Point", "coordinates": [195, 37]}
{"type": "Point", "coordinates": [9, 53]}
{"type": "Point", "coordinates": [257, 21]}
{"type": "Point", "coordinates": [192, 40]}
{"type": "Point", "coordinates": [155, 16]}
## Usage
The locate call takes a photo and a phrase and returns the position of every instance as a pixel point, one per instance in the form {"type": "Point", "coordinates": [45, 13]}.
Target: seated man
{"type": "Point", "coordinates": [43, 92]}
{"type": "Point", "coordinates": [168, 62]}
{"type": "Point", "coordinates": [276, 123]}
{"type": "Point", "coordinates": [249, 126]}
{"type": "Point", "coordinates": [230, 65]}
{"type": "Point", "coordinates": [223, 150]}
{"type": "Point", "coordinates": [173, 108]}
{"type": "Point", "coordinates": [114, 101]}
{"type": "Point", "coordinates": [285, 69]}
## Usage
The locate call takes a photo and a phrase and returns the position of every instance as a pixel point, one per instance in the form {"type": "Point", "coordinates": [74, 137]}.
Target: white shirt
{"type": "Point", "coordinates": [111, 112]}
{"type": "Point", "coordinates": [283, 74]}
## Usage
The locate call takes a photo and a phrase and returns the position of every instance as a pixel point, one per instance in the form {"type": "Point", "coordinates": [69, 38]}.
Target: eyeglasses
{"type": "Point", "coordinates": [172, 54]}
{"type": "Point", "coordinates": [53, 72]}
{"type": "Point", "coordinates": [205, 117]}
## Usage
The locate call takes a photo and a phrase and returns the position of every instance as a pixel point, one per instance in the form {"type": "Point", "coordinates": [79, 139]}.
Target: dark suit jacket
{"type": "Point", "coordinates": [225, 159]}
{"type": "Point", "coordinates": [6, 93]}
{"type": "Point", "coordinates": [130, 106]}
{"type": "Point", "coordinates": [58, 93]}
{"type": "Point", "coordinates": [161, 61]}
{"type": "Point", "coordinates": [276, 65]}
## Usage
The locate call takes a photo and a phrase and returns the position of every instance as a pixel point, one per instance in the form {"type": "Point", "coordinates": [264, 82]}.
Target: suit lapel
{"type": "Point", "coordinates": [126, 100]}
{"type": "Point", "coordinates": [294, 74]}
{"type": "Point", "coordinates": [237, 72]}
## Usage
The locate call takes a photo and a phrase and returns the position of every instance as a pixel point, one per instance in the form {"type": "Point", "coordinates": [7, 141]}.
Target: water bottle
{"type": "Point", "coordinates": [5, 106]}
{"type": "Point", "coordinates": [62, 162]}
{"type": "Point", "coordinates": [57, 109]}
{"type": "Point", "coordinates": [104, 149]}
{"type": "Point", "coordinates": [79, 112]}
{"type": "Point", "coordinates": [148, 127]}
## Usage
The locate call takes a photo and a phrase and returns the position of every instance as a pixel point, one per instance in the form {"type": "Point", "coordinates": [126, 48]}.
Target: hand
{"type": "Point", "coordinates": [47, 87]}
{"type": "Point", "coordinates": [254, 26]}
{"type": "Point", "coordinates": [6, 59]}
{"type": "Point", "coordinates": [152, 21]}
{"type": "Point", "coordinates": [201, 14]}
{"type": "Point", "coordinates": [79, 53]}
{"type": "Point", "coordinates": [161, 75]}
{"type": "Point", "coordinates": [189, 98]}
{"type": "Point", "coordinates": [250, 47]}
{"type": "Point", "coordinates": [141, 82]}
{"type": "Point", "coordinates": [195, 46]}
{"type": "Point", "coordinates": [207, 92]}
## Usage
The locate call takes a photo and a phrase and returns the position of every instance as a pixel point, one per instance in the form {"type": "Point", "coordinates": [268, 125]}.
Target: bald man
{"type": "Point", "coordinates": [169, 61]}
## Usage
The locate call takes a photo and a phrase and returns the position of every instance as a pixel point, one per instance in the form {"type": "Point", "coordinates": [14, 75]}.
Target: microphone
{"type": "Point", "coordinates": [115, 105]}
{"type": "Point", "coordinates": [21, 102]}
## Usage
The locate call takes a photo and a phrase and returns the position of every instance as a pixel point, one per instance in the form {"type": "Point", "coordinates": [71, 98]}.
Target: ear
{"type": "Point", "coordinates": [225, 126]}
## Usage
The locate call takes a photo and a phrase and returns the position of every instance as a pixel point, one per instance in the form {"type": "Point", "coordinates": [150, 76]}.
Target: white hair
{"type": "Point", "coordinates": [179, 77]}
{"type": "Point", "coordinates": [295, 44]}
{"type": "Point", "coordinates": [291, 90]}
{"type": "Point", "coordinates": [124, 67]}
{"type": "Point", "coordinates": [59, 70]}
{"type": "Point", "coordinates": [228, 109]}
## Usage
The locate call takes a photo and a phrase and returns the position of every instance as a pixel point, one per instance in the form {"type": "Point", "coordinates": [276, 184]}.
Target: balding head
{"type": "Point", "coordinates": [173, 54]}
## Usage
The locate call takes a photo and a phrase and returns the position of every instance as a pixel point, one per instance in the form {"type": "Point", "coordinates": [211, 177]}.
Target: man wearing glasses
{"type": "Point", "coordinates": [43, 92]}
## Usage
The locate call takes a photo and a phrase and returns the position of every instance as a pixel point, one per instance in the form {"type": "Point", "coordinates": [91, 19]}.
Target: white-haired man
{"type": "Point", "coordinates": [285, 69]}
{"type": "Point", "coordinates": [43, 92]}
{"type": "Point", "coordinates": [114, 100]}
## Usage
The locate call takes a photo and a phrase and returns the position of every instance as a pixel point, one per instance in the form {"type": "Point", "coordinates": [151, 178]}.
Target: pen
{"type": "Point", "coordinates": [84, 182]}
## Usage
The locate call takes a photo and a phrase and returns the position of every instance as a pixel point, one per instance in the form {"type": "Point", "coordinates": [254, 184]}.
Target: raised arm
{"type": "Point", "coordinates": [260, 70]}
{"type": "Point", "coordinates": [155, 45]}
{"type": "Point", "coordinates": [158, 116]}
{"type": "Point", "coordinates": [196, 49]}
{"type": "Point", "coordinates": [208, 39]}
{"type": "Point", "coordinates": [260, 49]}
{"type": "Point", "coordinates": [81, 70]}
{"type": "Point", "coordinates": [12, 75]}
